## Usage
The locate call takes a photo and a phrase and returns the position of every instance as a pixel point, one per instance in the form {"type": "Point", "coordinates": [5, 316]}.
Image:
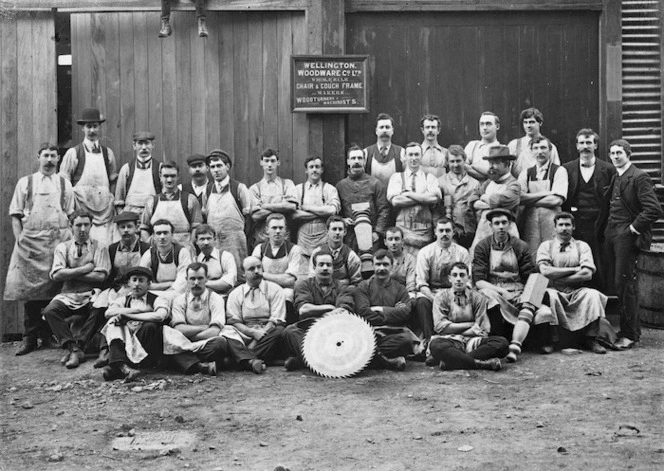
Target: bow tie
{"type": "Point", "coordinates": [96, 149]}
{"type": "Point", "coordinates": [587, 164]}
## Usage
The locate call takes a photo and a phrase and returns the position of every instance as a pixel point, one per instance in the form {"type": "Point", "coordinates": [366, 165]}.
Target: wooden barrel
{"type": "Point", "coordinates": [650, 288]}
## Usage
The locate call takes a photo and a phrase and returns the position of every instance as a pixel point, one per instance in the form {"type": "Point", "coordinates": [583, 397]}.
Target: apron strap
{"type": "Point", "coordinates": [28, 196]}
{"type": "Point", "coordinates": [62, 194]}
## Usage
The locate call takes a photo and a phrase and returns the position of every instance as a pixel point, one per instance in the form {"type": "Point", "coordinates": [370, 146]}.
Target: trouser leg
{"type": "Point", "coordinates": [93, 324]}
{"type": "Point", "coordinates": [497, 322]}
{"type": "Point", "coordinates": [117, 353]}
{"type": "Point", "coordinates": [592, 329]}
{"type": "Point", "coordinates": [396, 345]}
{"type": "Point", "coordinates": [239, 351]}
{"type": "Point", "coordinates": [200, 8]}
{"type": "Point", "coordinates": [491, 347]}
{"type": "Point", "coordinates": [452, 353]}
{"type": "Point", "coordinates": [34, 325]}
{"type": "Point", "coordinates": [149, 334]}
{"type": "Point", "coordinates": [214, 350]}
{"type": "Point", "coordinates": [165, 9]}
{"type": "Point", "coordinates": [424, 316]}
{"type": "Point", "coordinates": [622, 252]}
{"type": "Point", "coordinates": [293, 336]}
{"type": "Point", "coordinates": [56, 314]}
{"type": "Point", "coordinates": [270, 347]}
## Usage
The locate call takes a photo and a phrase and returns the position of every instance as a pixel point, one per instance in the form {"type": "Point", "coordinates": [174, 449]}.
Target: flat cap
{"type": "Point", "coordinates": [126, 216]}
{"type": "Point", "coordinates": [499, 212]}
{"type": "Point", "coordinates": [143, 136]}
{"type": "Point", "coordinates": [195, 158]}
{"type": "Point", "coordinates": [499, 152]}
{"type": "Point", "coordinates": [141, 271]}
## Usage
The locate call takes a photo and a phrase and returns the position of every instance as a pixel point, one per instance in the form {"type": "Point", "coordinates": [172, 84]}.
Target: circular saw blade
{"type": "Point", "coordinates": [338, 345]}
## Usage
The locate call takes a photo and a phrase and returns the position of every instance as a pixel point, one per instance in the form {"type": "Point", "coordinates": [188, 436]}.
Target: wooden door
{"type": "Point", "coordinates": [457, 65]}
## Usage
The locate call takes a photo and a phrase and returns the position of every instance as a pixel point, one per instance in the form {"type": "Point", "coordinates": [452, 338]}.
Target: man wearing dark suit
{"type": "Point", "coordinates": [588, 179]}
{"type": "Point", "coordinates": [630, 208]}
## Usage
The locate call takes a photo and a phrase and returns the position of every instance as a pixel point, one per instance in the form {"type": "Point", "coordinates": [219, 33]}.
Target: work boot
{"type": "Point", "coordinates": [65, 357]}
{"type": "Point", "coordinates": [165, 30]}
{"type": "Point", "coordinates": [594, 346]}
{"type": "Point", "coordinates": [202, 28]}
{"type": "Point", "coordinates": [130, 374]}
{"type": "Point", "coordinates": [49, 341]}
{"type": "Point", "coordinates": [102, 359]}
{"type": "Point", "coordinates": [75, 358]}
{"type": "Point", "coordinates": [257, 366]}
{"type": "Point", "coordinates": [293, 363]}
{"type": "Point", "coordinates": [492, 364]}
{"type": "Point", "coordinates": [396, 364]}
{"type": "Point", "coordinates": [209, 369]}
{"type": "Point", "coordinates": [111, 372]}
{"type": "Point", "coordinates": [29, 344]}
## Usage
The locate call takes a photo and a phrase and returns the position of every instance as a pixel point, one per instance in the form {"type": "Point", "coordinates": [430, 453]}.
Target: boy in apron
{"type": "Point", "coordinates": [39, 210]}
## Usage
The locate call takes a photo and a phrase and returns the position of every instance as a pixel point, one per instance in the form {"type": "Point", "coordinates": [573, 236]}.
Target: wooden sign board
{"type": "Point", "coordinates": [330, 84]}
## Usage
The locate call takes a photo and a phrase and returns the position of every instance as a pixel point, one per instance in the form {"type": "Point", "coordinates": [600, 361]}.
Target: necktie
{"type": "Point", "coordinates": [207, 258]}
{"type": "Point", "coordinates": [143, 165]}
{"type": "Point", "coordinates": [95, 149]}
{"type": "Point", "coordinates": [460, 298]}
{"type": "Point", "coordinates": [563, 246]}
{"type": "Point", "coordinates": [79, 250]}
{"type": "Point", "coordinates": [413, 181]}
{"type": "Point", "coordinates": [383, 151]}
{"type": "Point", "coordinates": [252, 293]}
{"type": "Point", "coordinates": [196, 303]}
{"type": "Point", "coordinates": [587, 164]}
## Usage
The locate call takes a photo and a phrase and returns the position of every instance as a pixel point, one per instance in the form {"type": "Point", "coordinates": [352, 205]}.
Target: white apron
{"type": "Point", "coordinates": [227, 220]}
{"type": "Point", "coordinates": [92, 193]}
{"type": "Point", "coordinates": [141, 189]}
{"type": "Point", "coordinates": [32, 258]}
{"type": "Point", "coordinates": [172, 211]}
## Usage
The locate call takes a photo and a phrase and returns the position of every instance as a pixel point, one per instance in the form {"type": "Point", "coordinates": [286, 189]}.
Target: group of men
{"type": "Point", "coordinates": [421, 241]}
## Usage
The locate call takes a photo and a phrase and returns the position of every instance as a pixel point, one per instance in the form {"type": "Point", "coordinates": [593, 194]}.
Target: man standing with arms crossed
{"type": "Point", "coordinates": [477, 166]}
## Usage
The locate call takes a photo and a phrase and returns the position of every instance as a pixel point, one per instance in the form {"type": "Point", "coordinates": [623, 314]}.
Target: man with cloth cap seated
{"type": "Point", "coordinates": [138, 180]}
{"type": "Point", "coordinates": [501, 268]}
{"type": "Point", "coordinates": [124, 254]}
{"type": "Point", "coordinates": [134, 328]}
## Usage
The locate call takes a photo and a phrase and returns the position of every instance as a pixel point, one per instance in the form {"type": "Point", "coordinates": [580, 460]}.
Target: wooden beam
{"type": "Point", "coordinates": [353, 6]}
{"type": "Point", "coordinates": [100, 6]}
{"type": "Point", "coordinates": [610, 75]}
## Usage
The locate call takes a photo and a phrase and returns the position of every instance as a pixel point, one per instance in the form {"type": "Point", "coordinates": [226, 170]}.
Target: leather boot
{"type": "Point", "coordinates": [28, 345]}
{"type": "Point", "coordinates": [102, 359]}
{"type": "Point", "coordinates": [202, 28]}
{"type": "Point", "coordinates": [396, 364]}
{"type": "Point", "coordinates": [75, 358]}
{"type": "Point", "coordinates": [492, 364]}
{"type": "Point", "coordinates": [165, 30]}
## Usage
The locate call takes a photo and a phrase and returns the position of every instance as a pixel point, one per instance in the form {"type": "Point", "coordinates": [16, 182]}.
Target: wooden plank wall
{"type": "Point", "coordinates": [457, 65]}
{"type": "Point", "coordinates": [28, 116]}
{"type": "Point", "coordinates": [229, 90]}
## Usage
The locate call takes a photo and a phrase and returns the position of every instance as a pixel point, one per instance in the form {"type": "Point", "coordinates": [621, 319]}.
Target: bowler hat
{"type": "Point", "coordinates": [141, 271]}
{"type": "Point", "coordinates": [143, 136]}
{"type": "Point", "coordinates": [499, 212]}
{"type": "Point", "coordinates": [499, 152]}
{"type": "Point", "coordinates": [195, 158]}
{"type": "Point", "coordinates": [126, 216]}
{"type": "Point", "coordinates": [90, 115]}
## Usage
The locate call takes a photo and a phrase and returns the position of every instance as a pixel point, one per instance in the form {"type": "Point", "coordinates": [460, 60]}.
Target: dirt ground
{"type": "Point", "coordinates": [575, 412]}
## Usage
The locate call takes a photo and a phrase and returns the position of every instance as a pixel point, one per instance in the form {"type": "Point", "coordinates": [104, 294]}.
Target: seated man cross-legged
{"type": "Point", "coordinates": [462, 328]}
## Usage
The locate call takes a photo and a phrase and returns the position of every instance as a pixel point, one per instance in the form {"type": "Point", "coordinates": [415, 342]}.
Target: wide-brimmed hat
{"type": "Point", "coordinates": [499, 152]}
{"type": "Point", "coordinates": [142, 271]}
{"type": "Point", "coordinates": [499, 212]}
{"type": "Point", "coordinates": [90, 115]}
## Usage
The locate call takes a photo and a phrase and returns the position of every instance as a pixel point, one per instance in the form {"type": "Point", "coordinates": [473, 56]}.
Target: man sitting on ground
{"type": "Point", "coordinates": [462, 328]}
{"type": "Point", "coordinates": [385, 304]}
{"type": "Point", "coordinates": [133, 331]}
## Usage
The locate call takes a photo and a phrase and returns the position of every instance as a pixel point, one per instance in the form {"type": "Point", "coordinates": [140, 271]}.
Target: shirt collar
{"type": "Point", "coordinates": [194, 185]}
{"type": "Point", "coordinates": [89, 145]}
{"type": "Point", "coordinates": [490, 144]}
{"type": "Point", "coordinates": [203, 296]}
{"type": "Point", "coordinates": [262, 287]}
{"type": "Point", "coordinates": [132, 247]}
{"type": "Point", "coordinates": [426, 146]}
{"type": "Point", "coordinates": [621, 171]}
{"type": "Point", "coordinates": [504, 177]}
{"type": "Point", "coordinates": [380, 145]}
{"type": "Point", "coordinates": [213, 255]}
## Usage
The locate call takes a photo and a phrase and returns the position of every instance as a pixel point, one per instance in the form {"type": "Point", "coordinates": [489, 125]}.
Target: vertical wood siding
{"type": "Point", "coordinates": [457, 65]}
{"type": "Point", "coordinates": [229, 90]}
{"type": "Point", "coordinates": [28, 117]}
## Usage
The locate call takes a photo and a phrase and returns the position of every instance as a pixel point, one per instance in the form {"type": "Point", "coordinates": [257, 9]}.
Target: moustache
{"type": "Point", "coordinates": [356, 166]}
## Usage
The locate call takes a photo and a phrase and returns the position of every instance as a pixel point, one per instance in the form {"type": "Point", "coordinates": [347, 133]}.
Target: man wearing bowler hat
{"type": "Point", "coordinates": [92, 171]}
{"type": "Point", "coordinates": [139, 179]}
{"type": "Point", "coordinates": [501, 190]}
{"type": "Point", "coordinates": [134, 328]}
